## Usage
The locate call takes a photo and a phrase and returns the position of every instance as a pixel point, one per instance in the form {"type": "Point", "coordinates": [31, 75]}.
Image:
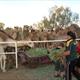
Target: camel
{"type": "Point", "coordinates": [3, 38]}
{"type": "Point", "coordinates": [2, 57]}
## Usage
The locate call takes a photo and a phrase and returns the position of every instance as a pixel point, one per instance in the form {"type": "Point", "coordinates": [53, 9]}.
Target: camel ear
{"type": "Point", "coordinates": [66, 53]}
{"type": "Point", "coordinates": [30, 44]}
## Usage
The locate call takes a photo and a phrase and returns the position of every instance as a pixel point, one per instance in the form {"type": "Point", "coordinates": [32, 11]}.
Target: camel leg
{"type": "Point", "coordinates": [1, 63]}
{"type": "Point", "coordinates": [4, 66]}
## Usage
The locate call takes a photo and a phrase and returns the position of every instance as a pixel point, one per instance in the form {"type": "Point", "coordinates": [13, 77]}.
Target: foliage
{"type": "Point", "coordinates": [40, 25]}
{"type": "Point", "coordinates": [62, 17]}
{"type": "Point", "coordinates": [2, 25]}
{"type": "Point", "coordinates": [55, 53]}
{"type": "Point", "coordinates": [37, 52]}
{"type": "Point", "coordinates": [59, 17]}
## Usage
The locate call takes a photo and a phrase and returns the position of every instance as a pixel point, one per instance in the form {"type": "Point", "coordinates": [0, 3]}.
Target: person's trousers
{"type": "Point", "coordinates": [70, 69]}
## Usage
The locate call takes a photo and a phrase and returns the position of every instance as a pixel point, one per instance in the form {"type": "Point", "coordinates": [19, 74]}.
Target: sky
{"type": "Point", "coordinates": [27, 12]}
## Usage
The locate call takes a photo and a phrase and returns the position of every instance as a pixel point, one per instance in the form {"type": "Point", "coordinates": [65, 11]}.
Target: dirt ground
{"type": "Point", "coordinates": [44, 72]}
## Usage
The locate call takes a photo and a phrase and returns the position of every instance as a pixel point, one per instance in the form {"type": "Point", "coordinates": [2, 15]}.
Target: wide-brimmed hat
{"type": "Point", "coordinates": [71, 34]}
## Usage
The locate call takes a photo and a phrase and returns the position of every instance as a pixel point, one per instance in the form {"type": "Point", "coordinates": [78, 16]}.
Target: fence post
{"type": "Point", "coordinates": [16, 56]}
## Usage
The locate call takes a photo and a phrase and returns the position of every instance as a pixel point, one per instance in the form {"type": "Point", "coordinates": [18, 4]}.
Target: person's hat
{"type": "Point", "coordinates": [71, 34]}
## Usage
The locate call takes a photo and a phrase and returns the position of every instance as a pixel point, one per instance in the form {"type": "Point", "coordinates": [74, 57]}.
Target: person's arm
{"type": "Point", "coordinates": [67, 51]}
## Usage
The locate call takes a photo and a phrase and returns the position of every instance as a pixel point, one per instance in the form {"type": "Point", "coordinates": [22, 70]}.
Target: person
{"type": "Point", "coordinates": [78, 47]}
{"type": "Point", "coordinates": [71, 56]}
{"type": "Point", "coordinates": [77, 67]}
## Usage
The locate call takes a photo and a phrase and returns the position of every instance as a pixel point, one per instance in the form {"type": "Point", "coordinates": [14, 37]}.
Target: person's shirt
{"type": "Point", "coordinates": [71, 46]}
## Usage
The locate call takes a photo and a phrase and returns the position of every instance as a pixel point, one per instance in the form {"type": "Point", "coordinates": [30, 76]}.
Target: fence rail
{"type": "Point", "coordinates": [42, 41]}
{"type": "Point", "coordinates": [18, 42]}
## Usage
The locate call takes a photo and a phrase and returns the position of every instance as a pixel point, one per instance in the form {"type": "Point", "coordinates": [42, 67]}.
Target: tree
{"type": "Point", "coordinates": [62, 17]}
{"type": "Point", "coordinates": [2, 26]}
{"type": "Point", "coordinates": [46, 22]}
{"type": "Point", "coordinates": [41, 25]}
